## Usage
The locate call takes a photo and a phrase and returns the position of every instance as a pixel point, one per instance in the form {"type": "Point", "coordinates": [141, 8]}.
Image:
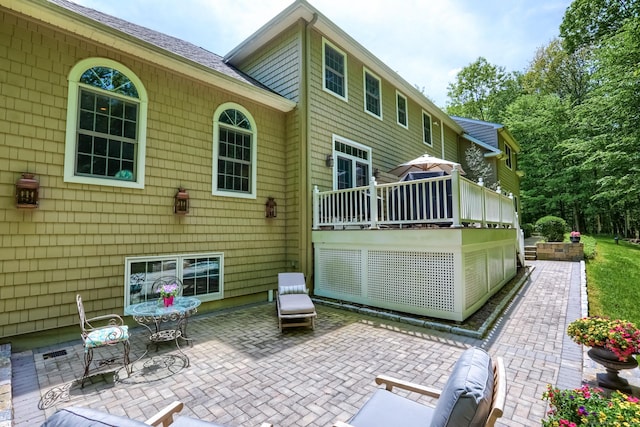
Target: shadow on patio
{"type": "Point", "coordinates": [244, 371]}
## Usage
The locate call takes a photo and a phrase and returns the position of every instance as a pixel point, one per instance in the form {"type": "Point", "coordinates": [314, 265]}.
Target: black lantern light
{"type": "Point", "coordinates": [328, 161]}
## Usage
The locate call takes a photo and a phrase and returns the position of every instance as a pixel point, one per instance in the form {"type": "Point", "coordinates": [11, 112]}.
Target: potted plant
{"type": "Point", "coordinates": [587, 406]}
{"type": "Point", "coordinates": [574, 236]}
{"type": "Point", "coordinates": [612, 342]}
{"type": "Point", "coordinates": [168, 292]}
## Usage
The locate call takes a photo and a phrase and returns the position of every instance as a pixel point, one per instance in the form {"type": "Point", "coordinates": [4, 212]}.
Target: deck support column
{"type": "Point", "coordinates": [455, 195]}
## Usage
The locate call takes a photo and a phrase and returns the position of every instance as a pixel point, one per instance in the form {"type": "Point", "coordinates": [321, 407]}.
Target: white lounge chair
{"type": "Point", "coordinates": [295, 308]}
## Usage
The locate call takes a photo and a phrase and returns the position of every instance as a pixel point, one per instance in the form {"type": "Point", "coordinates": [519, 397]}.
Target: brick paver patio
{"type": "Point", "coordinates": [244, 371]}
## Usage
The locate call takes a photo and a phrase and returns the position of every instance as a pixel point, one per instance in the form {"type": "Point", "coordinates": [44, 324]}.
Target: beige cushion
{"type": "Point", "coordinates": [296, 304]}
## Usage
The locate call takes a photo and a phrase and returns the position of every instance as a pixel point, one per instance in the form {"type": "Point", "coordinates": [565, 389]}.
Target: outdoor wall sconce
{"type": "Point", "coordinates": [181, 204]}
{"type": "Point", "coordinates": [270, 208]}
{"type": "Point", "coordinates": [329, 161]}
{"type": "Point", "coordinates": [27, 191]}
{"type": "Point", "coordinates": [376, 173]}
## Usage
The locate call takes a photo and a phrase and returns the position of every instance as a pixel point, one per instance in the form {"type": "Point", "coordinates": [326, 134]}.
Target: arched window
{"type": "Point", "coordinates": [234, 152]}
{"type": "Point", "coordinates": [106, 125]}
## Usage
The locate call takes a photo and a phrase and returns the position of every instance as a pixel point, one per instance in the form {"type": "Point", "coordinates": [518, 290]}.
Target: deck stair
{"type": "Point", "coordinates": [530, 253]}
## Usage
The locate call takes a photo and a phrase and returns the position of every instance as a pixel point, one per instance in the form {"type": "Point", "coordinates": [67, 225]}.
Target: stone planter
{"type": "Point", "coordinates": [613, 365]}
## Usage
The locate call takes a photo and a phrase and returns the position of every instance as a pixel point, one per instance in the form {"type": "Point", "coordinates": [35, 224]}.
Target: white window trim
{"type": "Point", "coordinates": [324, 69]}
{"type": "Point", "coordinates": [72, 124]}
{"type": "Point", "coordinates": [366, 71]}
{"type": "Point", "coordinates": [208, 297]}
{"type": "Point", "coordinates": [216, 148]}
{"type": "Point", "coordinates": [430, 142]}
{"type": "Point", "coordinates": [406, 110]}
{"type": "Point", "coordinates": [335, 154]}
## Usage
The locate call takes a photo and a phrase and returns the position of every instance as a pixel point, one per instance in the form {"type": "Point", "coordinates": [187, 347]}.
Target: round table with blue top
{"type": "Point", "coordinates": [165, 323]}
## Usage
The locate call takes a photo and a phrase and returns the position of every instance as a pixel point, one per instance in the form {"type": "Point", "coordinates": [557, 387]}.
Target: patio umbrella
{"type": "Point", "coordinates": [426, 162]}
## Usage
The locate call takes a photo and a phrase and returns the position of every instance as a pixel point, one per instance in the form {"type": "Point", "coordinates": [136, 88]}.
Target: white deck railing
{"type": "Point", "coordinates": [448, 200]}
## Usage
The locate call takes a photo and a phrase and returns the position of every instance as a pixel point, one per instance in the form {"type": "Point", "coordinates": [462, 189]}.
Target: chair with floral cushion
{"type": "Point", "coordinates": [102, 331]}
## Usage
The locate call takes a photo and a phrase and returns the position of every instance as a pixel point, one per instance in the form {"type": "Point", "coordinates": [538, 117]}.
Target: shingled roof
{"type": "Point", "coordinates": [171, 44]}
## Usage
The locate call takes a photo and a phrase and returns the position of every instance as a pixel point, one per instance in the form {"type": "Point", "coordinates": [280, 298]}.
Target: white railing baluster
{"type": "Point", "coordinates": [413, 202]}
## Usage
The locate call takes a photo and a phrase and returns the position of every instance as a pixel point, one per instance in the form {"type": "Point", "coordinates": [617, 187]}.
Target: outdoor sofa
{"type": "Point", "coordinates": [473, 396]}
{"type": "Point", "coordinates": [85, 417]}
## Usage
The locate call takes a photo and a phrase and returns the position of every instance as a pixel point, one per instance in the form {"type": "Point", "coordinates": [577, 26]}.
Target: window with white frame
{"type": "Point", "coordinates": [372, 94]}
{"type": "Point", "coordinates": [426, 128]}
{"type": "Point", "coordinates": [401, 109]}
{"type": "Point", "coordinates": [106, 125]}
{"type": "Point", "coordinates": [234, 152]}
{"type": "Point", "coordinates": [352, 164]}
{"type": "Point", "coordinates": [507, 153]}
{"type": "Point", "coordinates": [334, 70]}
{"type": "Point", "coordinates": [201, 276]}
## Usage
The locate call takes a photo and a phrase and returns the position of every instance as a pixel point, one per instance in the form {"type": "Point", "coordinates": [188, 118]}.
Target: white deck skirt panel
{"type": "Point", "coordinates": [445, 273]}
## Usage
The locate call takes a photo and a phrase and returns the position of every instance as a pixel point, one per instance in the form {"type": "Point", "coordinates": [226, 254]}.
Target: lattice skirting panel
{"type": "Point", "coordinates": [408, 281]}
{"type": "Point", "coordinates": [449, 283]}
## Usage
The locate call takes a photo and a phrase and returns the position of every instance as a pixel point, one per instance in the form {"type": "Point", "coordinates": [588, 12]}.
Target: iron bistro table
{"type": "Point", "coordinates": [152, 315]}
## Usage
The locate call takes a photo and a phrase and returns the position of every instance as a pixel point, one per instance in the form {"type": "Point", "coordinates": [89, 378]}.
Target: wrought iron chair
{"type": "Point", "coordinates": [113, 332]}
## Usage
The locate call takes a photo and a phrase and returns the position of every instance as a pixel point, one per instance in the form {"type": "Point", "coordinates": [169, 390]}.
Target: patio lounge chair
{"type": "Point", "coordinates": [112, 331]}
{"type": "Point", "coordinates": [295, 308]}
{"type": "Point", "coordinates": [87, 417]}
{"type": "Point", "coordinates": [474, 396]}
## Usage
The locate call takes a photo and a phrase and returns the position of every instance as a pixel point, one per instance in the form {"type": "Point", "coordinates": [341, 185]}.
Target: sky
{"type": "Point", "coordinates": [426, 42]}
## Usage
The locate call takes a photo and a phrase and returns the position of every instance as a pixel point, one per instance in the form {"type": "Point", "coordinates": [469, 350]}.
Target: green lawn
{"type": "Point", "coordinates": [613, 280]}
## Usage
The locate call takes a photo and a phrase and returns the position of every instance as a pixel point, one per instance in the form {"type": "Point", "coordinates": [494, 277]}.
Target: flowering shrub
{"type": "Point", "coordinates": [619, 336]}
{"type": "Point", "coordinates": [169, 290]}
{"type": "Point", "coordinates": [586, 406]}
{"type": "Point", "coordinates": [575, 234]}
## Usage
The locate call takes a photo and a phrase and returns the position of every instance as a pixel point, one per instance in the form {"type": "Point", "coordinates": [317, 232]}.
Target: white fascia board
{"type": "Point", "coordinates": [55, 16]}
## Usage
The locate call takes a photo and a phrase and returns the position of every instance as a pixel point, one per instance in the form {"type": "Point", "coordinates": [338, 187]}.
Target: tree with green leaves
{"type": "Point", "coordinates": [587, 22]}
{"type": "Point", "coordinates": [540, 123]}
{"type": "Point", "coordinates": [482, 91]}
{"type": "Point", "coordinates": [607, 137]}
{"type": "Point", "coordinates": [553, 70]}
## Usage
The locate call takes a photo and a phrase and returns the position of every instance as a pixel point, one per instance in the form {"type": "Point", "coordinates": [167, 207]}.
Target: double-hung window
{"type": "Point", "coordinates": [507, 153]}
{"type": "Point", "coordinates": [372, 94]}
{"type": "Point", "coordinates": [106, 125]}
{"type": "Point", "coordinates": [426, 128]}
{"type": "Point", "coordinates": [334, 70]}
{"type": "Point", "coordinates": [201, 276]}
{"type": "Point", "coordinates": [401, 110]}
{"type": "Point", "coordinates": [234, 152]}
{"type": "Point", "coordinates": [353, 163]}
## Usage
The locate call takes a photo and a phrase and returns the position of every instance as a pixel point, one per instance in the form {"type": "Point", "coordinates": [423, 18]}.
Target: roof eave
{"type": "Point", "coordinates": [300, 9]}
{"type": "Point", "coordinates": [512, 141]}
{"type": "Point", "coordinates": [491, 150]}
{"type": "Point", "coordinates": [69, 21]}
